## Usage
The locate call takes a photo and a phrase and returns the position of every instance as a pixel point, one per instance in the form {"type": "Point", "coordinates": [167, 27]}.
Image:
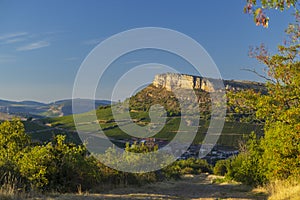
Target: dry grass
{"type": "Point", "coordinates": [279, 190]}
{"type": "Point", "coordinates": [193, 187]}
{"type": "Point", "coordinates": [8, 194]}
{"type": "Point", "coordinates": [189, 187]}
{"type": "Point", "coordinates": [8, 190]}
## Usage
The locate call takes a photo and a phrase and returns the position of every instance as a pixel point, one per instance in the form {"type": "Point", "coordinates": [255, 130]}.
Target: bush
{"type": "Point", "coordinates": [172, 171]}
{"type": "Point", "coordinates": [243, 168]}
{"type": "Point", "coordinates": [248, 166]}
{"type": "Point", "coordinates": [13, 141]}
{"type": "Point", "coordinates": [58, 166]}
{"type": "Point", "coordinates": [221, 167]}
{"type": "Point", "coordinates": [187, 170]}
{"type": "Point", "coordinates": [189, 166]}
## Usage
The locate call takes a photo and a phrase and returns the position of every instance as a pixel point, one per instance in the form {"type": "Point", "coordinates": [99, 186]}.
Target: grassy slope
{"type": "Point", "coordinates": [139, 106]}
{"type": "Point", "coordinates": [232, 131]}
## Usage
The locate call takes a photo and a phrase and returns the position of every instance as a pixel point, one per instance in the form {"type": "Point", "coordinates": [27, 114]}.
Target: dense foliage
{"type": "Point", "coordinates": [277, 154]}
{"type": "Point", "coordinates": [65, 167]}
{"type": "Point", "coordinates": [56, 165]}
{"type": "Point", "coordinates": [247, 166]}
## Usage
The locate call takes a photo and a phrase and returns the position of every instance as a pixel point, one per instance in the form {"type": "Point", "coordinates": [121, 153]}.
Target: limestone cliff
{"type": "Point", "coordinates": [172, 81]}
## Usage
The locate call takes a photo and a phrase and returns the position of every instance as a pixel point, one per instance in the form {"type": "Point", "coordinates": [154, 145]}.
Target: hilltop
{"type": "Point", "coordinates": [164, 88]}
{"type": "Point", "coordinates": [33, 109]}
{"type": "Point", "coordinates": [153, 94]}
{"type": "Point", "coordinates": [171, 81]}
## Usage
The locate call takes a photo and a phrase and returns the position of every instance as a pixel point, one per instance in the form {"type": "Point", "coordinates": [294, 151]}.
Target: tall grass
{"type": "Point", "coordinates": [9, 189]}
{"type": "Point", "coordinates": [279, 190]}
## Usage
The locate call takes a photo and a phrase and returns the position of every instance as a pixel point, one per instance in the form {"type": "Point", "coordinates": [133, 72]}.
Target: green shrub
{"type": "Point", "coordinates": [71, 167]}
{"type": "Point", "coordinates": [187, 170]}
{"type": "Point", "coordinates": [13, 141]}
{"type": "Point", "coordinates": [189, 166]}
{"type": "Point", "coordinates": [243, 168]}
{"type": "Point", "coordinates": [172, 171]}
{"type": "Point", "coordinates": [221, 167]}
{"type": "Point", "coordinates": [247, 167]}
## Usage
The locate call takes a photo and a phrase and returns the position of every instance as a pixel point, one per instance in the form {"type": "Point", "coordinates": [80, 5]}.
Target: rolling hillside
{"type": "Point", "coordinates": [139, 106]}
{"type": "Point", "coordinates": [41, 110]}
{"type": "Point", "coordinates": [231, 134]}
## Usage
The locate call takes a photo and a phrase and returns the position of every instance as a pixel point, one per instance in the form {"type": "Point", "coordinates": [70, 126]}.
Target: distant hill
{"type": "Point", "coordinates": [33, 103]}
{"type": "Point", "coordinates": [40, 110]}
{"type": "Point", "coordinates": [57, 119]}
{"type": "Point", "coordinates": [160, 92]}
{"type": "Point", "coordinates": [84, 105]}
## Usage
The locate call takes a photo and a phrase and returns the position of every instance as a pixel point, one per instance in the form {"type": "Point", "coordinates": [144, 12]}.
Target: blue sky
{"type": "Point", "coordinates": [43, 43]}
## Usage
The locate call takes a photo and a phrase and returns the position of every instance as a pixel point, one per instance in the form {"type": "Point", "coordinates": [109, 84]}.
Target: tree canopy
{"type": "Point", "coordinates": [277, 153]}
{"type": "Point", "coordinates": [257, 9]}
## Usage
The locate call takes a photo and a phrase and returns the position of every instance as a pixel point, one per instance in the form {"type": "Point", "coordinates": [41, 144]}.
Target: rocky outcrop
{"type": "Point", "coordinates": [172, 81]}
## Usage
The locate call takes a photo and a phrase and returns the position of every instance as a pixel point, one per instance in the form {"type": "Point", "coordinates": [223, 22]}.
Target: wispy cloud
{"type": "Point", "coordinates": [34, 45]}
{"type": "Point", "coordinates": [12, 35]}
{"type": "Point", "coordinates": [93, 41]}
{"type": "Point", "coordinates": [13, 40]}
{"type": "Point", "coordinates": [7, 58]}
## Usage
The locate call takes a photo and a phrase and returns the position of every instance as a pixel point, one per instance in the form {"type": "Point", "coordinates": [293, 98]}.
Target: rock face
{"type": "Point", "coordinates": [175, 81]}
{"type": "Point", "coordinates": [172, 81]}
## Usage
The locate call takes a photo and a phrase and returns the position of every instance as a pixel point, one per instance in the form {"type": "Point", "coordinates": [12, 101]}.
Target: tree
{"type": "Point", "coordinates": [13, 141]}
{"type": "Point", "coordinates": [257, 9]}
{"type": "Point", "coordinates": [279, 108]}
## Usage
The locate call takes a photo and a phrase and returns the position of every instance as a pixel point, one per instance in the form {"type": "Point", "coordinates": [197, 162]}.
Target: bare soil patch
{"type": "Point", "coordinates": [189, 187]}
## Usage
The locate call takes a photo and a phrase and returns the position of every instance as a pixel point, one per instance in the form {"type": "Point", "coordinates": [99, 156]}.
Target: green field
{"type": "Point", "coordinates": [102, 120]}
{"type": "Point", "coordinates": [231, 134]}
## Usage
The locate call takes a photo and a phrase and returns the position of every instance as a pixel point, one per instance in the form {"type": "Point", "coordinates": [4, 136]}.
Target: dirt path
{"type": "Point", "coordinates": [190, 187]}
